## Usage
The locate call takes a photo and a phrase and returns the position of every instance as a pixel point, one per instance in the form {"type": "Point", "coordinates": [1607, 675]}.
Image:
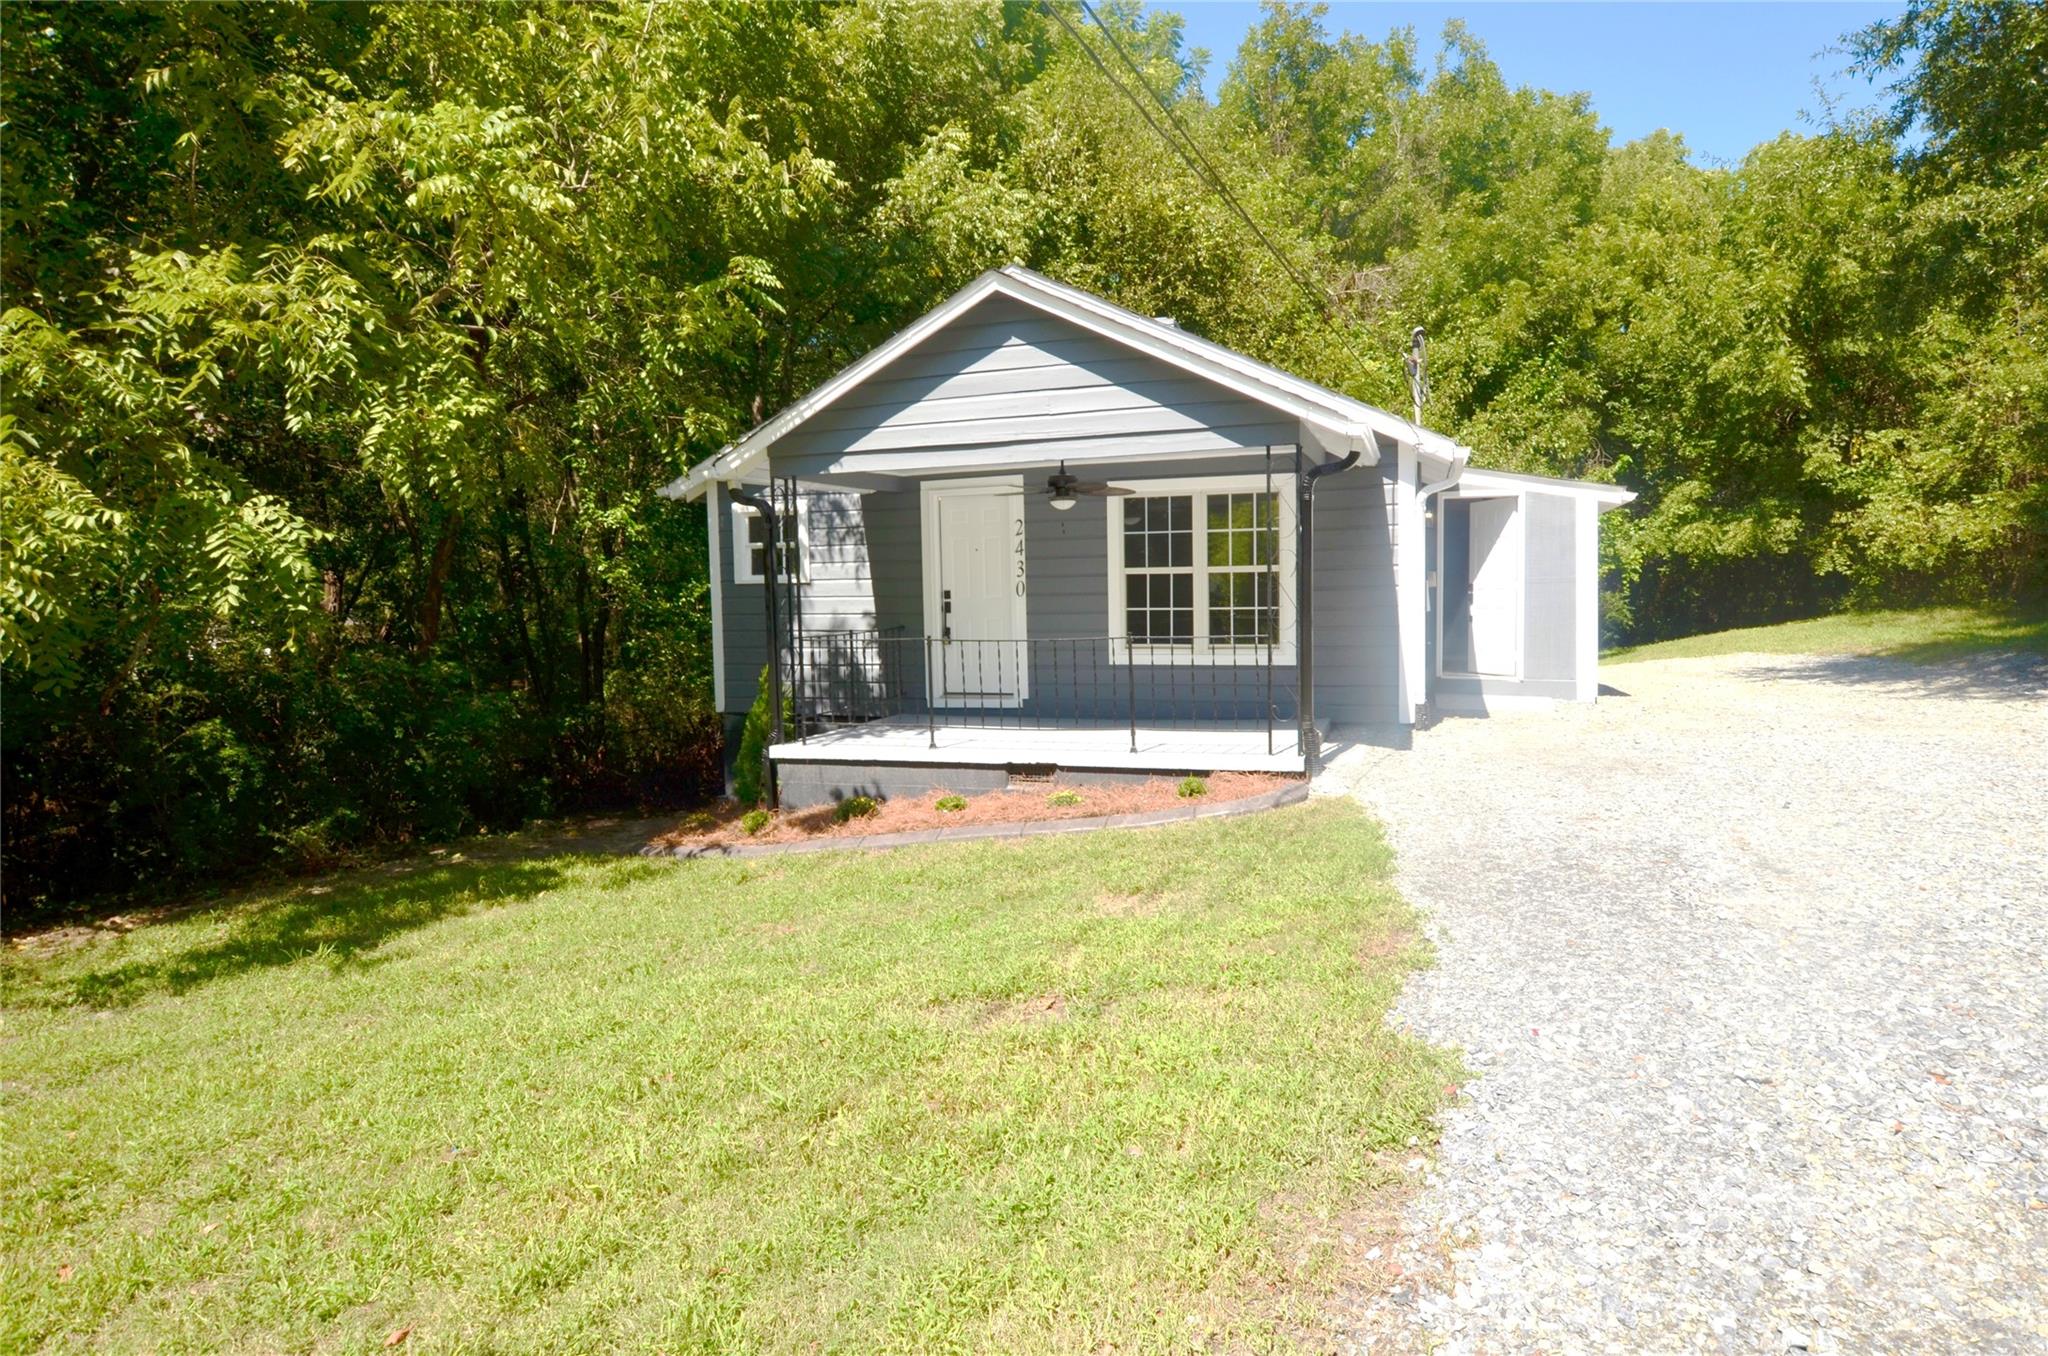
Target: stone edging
{"type": "Point", "coordinates": [1292, 794]}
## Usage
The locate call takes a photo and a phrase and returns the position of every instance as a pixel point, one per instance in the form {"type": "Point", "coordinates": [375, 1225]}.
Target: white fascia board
{"type": "Point", "coordinates": [1338, 411]}
{"type": "Point", "coordinates": [1606, 496]}
{"type": "Point", "coordinates": [1345, 424]}
{"type": "Point", "coordinates": [736, 458]}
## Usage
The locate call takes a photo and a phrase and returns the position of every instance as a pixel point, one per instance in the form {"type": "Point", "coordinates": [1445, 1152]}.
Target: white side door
{"type": "Point", "coordinates": [1495, 581]}
{"type": "Point", "coordinates": [976, 602]}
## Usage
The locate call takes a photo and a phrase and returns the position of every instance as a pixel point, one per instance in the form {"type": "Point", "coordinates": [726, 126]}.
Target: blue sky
{"type": "Point", "coordinates": [1726, 76]}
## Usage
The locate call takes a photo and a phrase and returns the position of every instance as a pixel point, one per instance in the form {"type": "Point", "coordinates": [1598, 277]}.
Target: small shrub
{"type": "Point", "coordinates": [950, 803]}
{"type": "Point", "coordinates": [753, 821]}
{"type": "Point", "coordinates": [1193, 786]}
{"type": "Point", "coordinates": [854, 807]}
{"type": "Point", "coordinates": [1069, 796]}
{"type": "Point", "coordinates": [754, 737]}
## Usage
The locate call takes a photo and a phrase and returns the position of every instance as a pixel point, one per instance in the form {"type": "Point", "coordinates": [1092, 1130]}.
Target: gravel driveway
{"type": "Point", "coordinates": [1751, 967]}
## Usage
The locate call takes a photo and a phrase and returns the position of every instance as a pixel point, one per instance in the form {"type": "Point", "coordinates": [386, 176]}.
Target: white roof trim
{"type": "Point", "coordinates": [1607, 496]}
{"type": "Point", "coordinates": [1351, 423]}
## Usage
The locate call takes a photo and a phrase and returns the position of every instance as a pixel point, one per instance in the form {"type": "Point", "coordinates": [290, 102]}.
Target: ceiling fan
{"type": "Point", "coordinates": [1062, 488]}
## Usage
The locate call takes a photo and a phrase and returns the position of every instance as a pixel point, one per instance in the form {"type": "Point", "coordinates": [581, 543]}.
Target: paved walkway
{"type": "Point", "coordinates": [1751, 966]}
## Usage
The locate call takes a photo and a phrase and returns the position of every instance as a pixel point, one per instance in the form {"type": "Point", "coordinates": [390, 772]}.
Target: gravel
{"type": "Point", "coordinates": [1750, 965]}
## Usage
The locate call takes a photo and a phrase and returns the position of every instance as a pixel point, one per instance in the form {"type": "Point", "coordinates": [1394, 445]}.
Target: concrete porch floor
{"type": "Point", "coordinates": [907, 740]}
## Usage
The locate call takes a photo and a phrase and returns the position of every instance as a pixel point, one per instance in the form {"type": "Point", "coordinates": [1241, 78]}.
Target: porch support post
{"type": "Point", "coordinates": [765, 506]}
{"type": "Point", "coordinates": [798, 651]}
{"type": "Point", "coordinates": [1305, 601]}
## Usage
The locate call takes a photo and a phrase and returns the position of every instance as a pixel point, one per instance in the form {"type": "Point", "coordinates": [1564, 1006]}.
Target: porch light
{"type": "Point", "coordinates": [1062, 498]}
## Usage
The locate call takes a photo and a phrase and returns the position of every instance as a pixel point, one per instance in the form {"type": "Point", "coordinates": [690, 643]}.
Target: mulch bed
{"type": "Point", "coordinates": [719, 825]}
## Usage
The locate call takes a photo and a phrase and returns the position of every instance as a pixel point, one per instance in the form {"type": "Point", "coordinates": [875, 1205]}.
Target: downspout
{"type": "Point", "coordinates": [1304, 571]}
{"type": "Point", "coordinates": [765, 506]}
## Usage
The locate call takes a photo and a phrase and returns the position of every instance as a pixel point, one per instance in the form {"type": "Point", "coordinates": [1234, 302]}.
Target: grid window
{"type": "Point", "coordinates": [1159, 578]}
{"type": "Point", "coordinates": [1242, 547]}
{"type": "Point", "coordinates": [1202, 567]}
{"type": "Point", "coordinates": [1159, 609]}
{"type": "Point", "coordinates": [792, 550]}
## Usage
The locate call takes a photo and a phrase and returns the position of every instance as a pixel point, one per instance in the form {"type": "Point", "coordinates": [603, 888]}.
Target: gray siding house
{"type": "Point", "coordinates": [1035, 531]}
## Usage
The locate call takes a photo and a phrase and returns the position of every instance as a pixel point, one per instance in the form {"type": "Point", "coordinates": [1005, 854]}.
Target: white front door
{"type": "Point", "coordinates": [1495, 578]}
{"type": "Point", "coordinates": [976, 598]}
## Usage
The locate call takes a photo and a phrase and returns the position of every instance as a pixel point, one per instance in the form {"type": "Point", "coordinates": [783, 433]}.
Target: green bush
{"type": "Point", "coordinates": [1068, 796]}
{"type": "Point", "coordinates": [949, 804]}
{"type": "Point", "coordinates": [753, 821]}
{"type": "Point", "coordinates": [754, 737]}
{"type": "Point", "coordinates": [854, 807]}
{"type": "Point", "coordinates": [1192, 786]}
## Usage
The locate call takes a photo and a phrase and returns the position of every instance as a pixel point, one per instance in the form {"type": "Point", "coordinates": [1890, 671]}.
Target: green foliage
{"type": "Point", "coordinates": [348, 343]}
{"type": "Point", "coordinates": [1191, 787]}
{"type": "Point", "coordinates": [950, 804]}
{"type": "Point", "coordinates": [1067, 796]}
{"type": "Point", "coordinates": [756, 734]}
{"type": "Point", "coordinates": [854, 807]}
{"type": "Point", "coordinates": [753, 821]}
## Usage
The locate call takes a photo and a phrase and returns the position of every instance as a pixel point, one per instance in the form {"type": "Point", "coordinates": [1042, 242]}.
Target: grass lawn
{"type": "Point", "coordinates": [1066, 1094]}
{"type": "Point", "coordinates": [1926, 635]}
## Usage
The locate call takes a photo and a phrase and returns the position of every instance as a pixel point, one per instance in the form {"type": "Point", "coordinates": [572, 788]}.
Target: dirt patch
{"type": "Point", "coordinates": [984, 1014]}
{"type": "Point", "coordinates": [1137, 903]}
{"type": "Point", "coordinates": [1387, 944]}
{"type": "Point", "coordinates": [1343, 1266]}
{"type": "Point", "coordinates": [719, 825]}
{"type": "Point", "coordinates": [55, 941]}
{"type": "Point", "coordinates": [1030, 1011]}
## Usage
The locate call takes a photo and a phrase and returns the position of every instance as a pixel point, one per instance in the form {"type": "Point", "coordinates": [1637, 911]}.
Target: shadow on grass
{"type": "Point", "coordinates": [337, 923]}
{"type": "Point", "coordinates": [2018, 635]}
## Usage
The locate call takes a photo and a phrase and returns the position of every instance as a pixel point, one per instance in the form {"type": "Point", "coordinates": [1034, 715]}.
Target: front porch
{"type": "Point", "coordinates": [1153, 749]}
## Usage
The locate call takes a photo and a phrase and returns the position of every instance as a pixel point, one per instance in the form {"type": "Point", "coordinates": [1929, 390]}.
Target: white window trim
{"type": "Point", "coordinates": [1521, 586]}
{"type": "Point", "coordinates": [743, 571]}
{"type": "Point", "coordinates": [1202, 653]}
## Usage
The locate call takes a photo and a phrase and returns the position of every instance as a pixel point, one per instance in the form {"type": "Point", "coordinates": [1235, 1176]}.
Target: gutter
{"type": "Point", "coordinates": [1304, 571]}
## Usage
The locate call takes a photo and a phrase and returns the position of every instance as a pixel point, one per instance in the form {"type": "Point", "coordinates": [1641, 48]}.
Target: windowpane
{"type": "Point", "coordinates": [1159, 549]}
{"type": "Point", "coordinates": [789, 555]}
{"type": "Point", "coordinates": [1243, 545]}
{"type": "Point", "coordinates": [1237, 552]}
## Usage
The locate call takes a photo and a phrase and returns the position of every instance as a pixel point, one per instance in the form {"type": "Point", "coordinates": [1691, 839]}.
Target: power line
{"type": "Point", "coordinates": [1198, 164]}
{"type": "Point", "coordinates": [1319, 295]}
{"type": "Point", "coordinates": [1189, 153]}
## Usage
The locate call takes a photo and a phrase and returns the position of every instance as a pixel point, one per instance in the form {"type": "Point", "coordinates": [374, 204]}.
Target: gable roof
{"type": "Point", "coordinates": [1344, 422]}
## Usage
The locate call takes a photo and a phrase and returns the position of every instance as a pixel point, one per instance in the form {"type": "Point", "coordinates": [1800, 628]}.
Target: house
{"type": "Point", "coordinates": [1035, 531]}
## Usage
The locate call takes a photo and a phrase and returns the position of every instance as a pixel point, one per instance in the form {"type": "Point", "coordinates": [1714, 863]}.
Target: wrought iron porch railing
{"type": "Point", "coordinates": [1091, 682]}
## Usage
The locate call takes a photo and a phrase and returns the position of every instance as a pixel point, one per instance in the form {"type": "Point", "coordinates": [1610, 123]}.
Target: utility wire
{"type": "Point", "coordinates": [1184, 146]}
{"type": "Point", "coordinates": [1188, 151]}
